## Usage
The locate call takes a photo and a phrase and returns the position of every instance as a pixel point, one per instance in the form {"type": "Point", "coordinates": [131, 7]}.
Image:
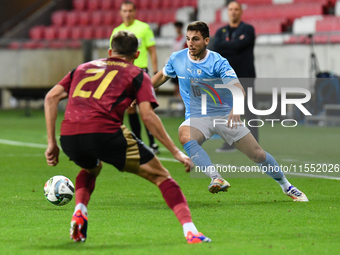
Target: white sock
{"type": "Point", "coordinates": [81, 207]}
{"type": "Point", "coordinates": [284, 183]}
{"type": "Point", "coordinates": [212, 172]}
{"type": "Point", "coordinates": [189, 226]}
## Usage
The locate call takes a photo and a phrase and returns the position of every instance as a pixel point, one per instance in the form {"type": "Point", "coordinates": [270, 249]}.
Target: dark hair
{"type": "Point", "coordinates": [199, 26]}
{"type": "Point", "coordinates": [128, 2]}
{"type": "Point", "coordinates": [124, 43]}
{"type": "Point", "coordinates": [234, 1]}
{"type": "Point", "coordinates": [178, 24]}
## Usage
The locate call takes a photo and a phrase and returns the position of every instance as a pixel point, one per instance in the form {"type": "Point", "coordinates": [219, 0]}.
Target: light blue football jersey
{"type": "Point", "coordinates": [198, 78]}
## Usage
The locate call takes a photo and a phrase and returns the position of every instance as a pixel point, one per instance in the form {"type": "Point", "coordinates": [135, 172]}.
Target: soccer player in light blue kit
{"type": "Point", "coordinates": [194, 66]}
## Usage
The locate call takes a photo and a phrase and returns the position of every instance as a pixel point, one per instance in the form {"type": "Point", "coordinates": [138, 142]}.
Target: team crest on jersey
{"type": "Point", "coordinates": [230, 72]}
{"type": "Point", "coordinates": [199, 71]}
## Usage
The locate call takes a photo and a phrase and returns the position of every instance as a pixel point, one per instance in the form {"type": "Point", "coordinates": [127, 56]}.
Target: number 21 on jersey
{"type": "Point", "coordinates": [78, 92]}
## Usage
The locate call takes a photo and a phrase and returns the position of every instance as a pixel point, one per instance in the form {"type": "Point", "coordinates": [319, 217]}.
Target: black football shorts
{"type": "Point", "coordinates": [122, 149]}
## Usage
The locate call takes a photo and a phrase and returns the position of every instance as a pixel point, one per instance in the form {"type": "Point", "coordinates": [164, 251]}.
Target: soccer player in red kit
{"type": "Point", "coordinates": [92, 131]}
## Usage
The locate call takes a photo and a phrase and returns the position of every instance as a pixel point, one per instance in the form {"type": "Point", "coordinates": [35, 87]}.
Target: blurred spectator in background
{"type": "Point", "coordinates": [147, 45]}
{"type": "Point", "coordinates": [236, 42]}
{"type": "Point", "coordinates": [179, 44]}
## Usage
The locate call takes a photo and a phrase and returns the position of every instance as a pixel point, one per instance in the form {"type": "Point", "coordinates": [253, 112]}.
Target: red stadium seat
{"type": "Point", "coordinates": [58, 18]}
{"type": "Point", "coordinates": [50, 33]}
{"type": "Point", "coordinates": [106, 5]}
{"type": "Point", "coordinates": [108, 32]}
{"type": "Point", "coordinates": [144, 4]}
{"type": "Point", "coordinates": [74, 44]}
{"type": "Point", "coordinates": [80, 5]}
{"type": "Point", "coordinates": [14, 45]}
{"type": "Point", "coordinates": [37, 32]}
{"type": "Point", "coordinates": [177, 3]}
{"type": "Point", "coordinates": [72, 18]}
{"type": "Point", "coordinates": [298, 39]}
{"type": "Point", "coordinates": [88, 33]}
{"type": "Point", "coordinates": [29, 45]}
{"type": "Point", "coordinates": [335, 39]}
{"type": "Point", "coordinates": [154, 4]}
{"type": "Point", "coordinates": [116, 4]}
{"type": "Point", "coordinates": [169, 16]}
{"type": "Point", "coordinates": [311, 1]}
{"type": "Point", "coordinates": [76, 33]}
{"type": "Point", "coordinates": [155, 16]}
{"type": "Point", "coordinates": [165, 4]}
{"type": "Point", "coordinates": [57, 44]}
{"type": "Point", "coordinates": [64, 33]}
{"type": "Point", "coordinates": [274, 26]}
{"type": "Point", "coordinates": [142, 15]}
{"type": "Point", "coordinates": [99, 32]}
{"type": "Point", "coordinates": [96, 18]}
{"type": "Point", "coordinates": [256, 2]}
{"type": "Point", "coordinates": [110, 17]}
{"type": "Point", "coordinates": [93, 5]}
{"type": "Point", "coordinates": [186, 2]}
{"type": "Point", "coordinates": [84, 18]}
{"type": "Point", "coordinates": [321, 39]}
{"type": "Point", "coordinates": [41, 44]}
{"type": "Point", "coordinates": [328, 24]}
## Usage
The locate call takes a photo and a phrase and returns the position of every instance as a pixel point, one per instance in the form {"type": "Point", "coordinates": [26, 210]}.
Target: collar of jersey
{"type": "Point", "coordinates": [199, 61]}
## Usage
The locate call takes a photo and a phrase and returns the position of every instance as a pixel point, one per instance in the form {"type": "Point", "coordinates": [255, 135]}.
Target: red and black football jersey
{"type": "Point", "coordinates": [99, 93]}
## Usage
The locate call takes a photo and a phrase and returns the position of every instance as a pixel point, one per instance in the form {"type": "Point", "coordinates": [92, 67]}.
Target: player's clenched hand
{"type": "Point", "coordinates": [234, 120]}
{"type": "Point", "coordinates": [184, 159]}
{"type": "Point", "coordinates": [52, 154]}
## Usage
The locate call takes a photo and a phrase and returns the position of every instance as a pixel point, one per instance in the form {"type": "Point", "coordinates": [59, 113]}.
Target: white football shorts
{"type": "Point", "coordinates": [217, 125]}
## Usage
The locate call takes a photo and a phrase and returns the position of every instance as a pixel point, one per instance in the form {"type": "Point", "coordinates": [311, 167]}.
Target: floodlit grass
{"type": "Point", "coordinates": [127, 215]}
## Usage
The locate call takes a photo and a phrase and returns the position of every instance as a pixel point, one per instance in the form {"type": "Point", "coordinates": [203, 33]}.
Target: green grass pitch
{"type": "Point", "coordinates": [127, 215]}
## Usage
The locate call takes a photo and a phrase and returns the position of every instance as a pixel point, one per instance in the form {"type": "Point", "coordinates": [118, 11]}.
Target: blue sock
{"type": "Point", "coordinates": [272, 168]}
{"type": "Point", "coordinates": [200, 158]}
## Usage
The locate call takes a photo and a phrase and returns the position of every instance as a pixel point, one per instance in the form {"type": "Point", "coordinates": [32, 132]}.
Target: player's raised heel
{"type": "Point", "coordinates": [197, 238]}
{"type": "Point", "coordinates": [217, 185]}
{"type": "Point", "coordinates": [78, 230]}
{"type": "Point", "coordinates": [296, 194]}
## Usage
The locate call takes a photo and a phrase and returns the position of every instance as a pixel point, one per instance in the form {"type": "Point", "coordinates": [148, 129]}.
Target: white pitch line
{"type": "Point", "coordinates": [168, 159]}
{"type": "Point", "coordinates": [15, 143]}
{"type": "Point", "coordinates": [37, 145]}
{"type": "Point", "coordinates": [299, 174]}
{"type": "Point", "coordinates": [315, 176]}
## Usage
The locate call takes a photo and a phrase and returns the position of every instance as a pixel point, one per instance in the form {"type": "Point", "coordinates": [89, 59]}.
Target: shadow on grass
{"type": "Point", "coordinates": [104, 246]}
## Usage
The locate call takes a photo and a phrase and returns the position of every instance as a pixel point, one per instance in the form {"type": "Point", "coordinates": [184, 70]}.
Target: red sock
{"type": "Point", "coordinates": [175, 199]}
{"type": "Point", "coordinates": [85, 183]}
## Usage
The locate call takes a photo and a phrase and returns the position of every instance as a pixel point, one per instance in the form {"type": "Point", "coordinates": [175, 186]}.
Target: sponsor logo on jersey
{"type": "Point", "coordinates": [230, 72]}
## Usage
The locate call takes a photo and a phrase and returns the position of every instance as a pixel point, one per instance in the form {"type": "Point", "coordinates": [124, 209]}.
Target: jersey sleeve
{"type": "Point", "coordinates": [149, 37]}
{"type": "Point", "coordinates": [145, 89]}
{"type": "Point", "coordinates": [66, 81]}
{"type": "Point", "coordinates": [226, 72]}
{"type": "Point", "coordinates": [168, 69]}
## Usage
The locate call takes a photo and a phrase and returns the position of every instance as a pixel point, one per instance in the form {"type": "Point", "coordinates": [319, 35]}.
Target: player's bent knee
{"type": "Point", "coordinates": [96, 171]}
{"type": "Point", "coordinates": [154, 171]}
{"type": "Point", "coordinates": [184, 138]}
{"type": "Point", "coordinates": [259, 156]}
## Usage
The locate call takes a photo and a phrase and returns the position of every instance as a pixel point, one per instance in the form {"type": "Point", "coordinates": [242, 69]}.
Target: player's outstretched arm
{"type": "Point", "coordinates": [158, 79]}
{"type": "Point", "coordinates": [234, 120]}
{"type": "Point", "coordinates": [52, 99]}
{"type": "Point", "coordinates": [155, 126]}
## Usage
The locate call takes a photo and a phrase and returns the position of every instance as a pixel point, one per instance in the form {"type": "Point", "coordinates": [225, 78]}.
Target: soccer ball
{"type": "Point", "coordinates": [59, 190]}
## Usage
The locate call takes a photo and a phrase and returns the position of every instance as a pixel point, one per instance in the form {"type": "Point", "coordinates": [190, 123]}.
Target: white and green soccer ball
{"type": "Point", "coordinates": [59, 190]}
